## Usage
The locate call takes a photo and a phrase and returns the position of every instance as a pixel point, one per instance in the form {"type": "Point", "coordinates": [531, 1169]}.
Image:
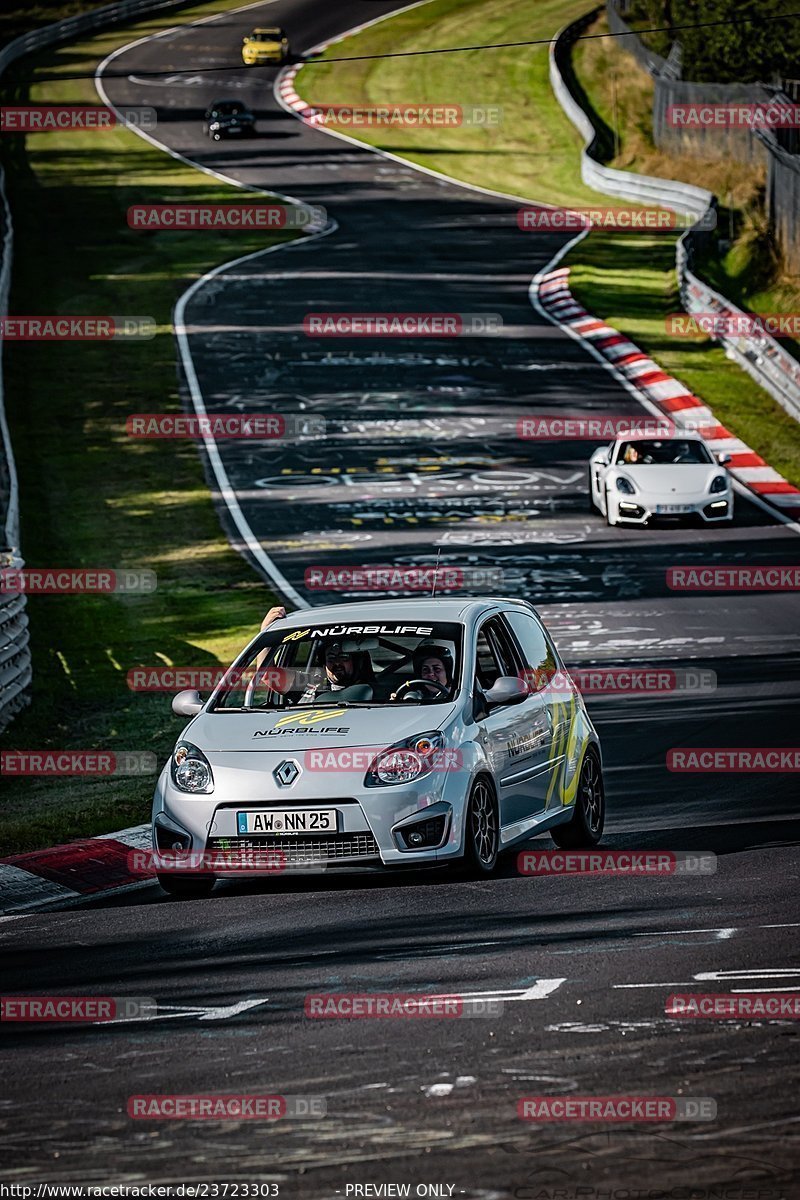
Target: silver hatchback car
{"type": "Point", "coordinates": [378, 735]}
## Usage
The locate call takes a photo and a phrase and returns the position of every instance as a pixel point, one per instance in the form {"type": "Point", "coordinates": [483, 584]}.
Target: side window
{"type": "Point", "coordinates": [495, 654]}
{"type": "Point", "coordinates": [540, 661]}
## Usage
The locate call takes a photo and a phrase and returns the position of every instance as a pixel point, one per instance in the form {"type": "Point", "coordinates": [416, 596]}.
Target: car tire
{"type": "Point", "coordinates": [585, 827]}
{"type": "Point", "coordinates": [188, 886]}
{"type": "Point", "coordinates": [481, 831]}
{"type": "Point", "coordinates": [593, 507]}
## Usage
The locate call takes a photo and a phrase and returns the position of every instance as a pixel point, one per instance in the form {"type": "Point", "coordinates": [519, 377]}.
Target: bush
{"type": "Point", "coordinates": [747, 49]}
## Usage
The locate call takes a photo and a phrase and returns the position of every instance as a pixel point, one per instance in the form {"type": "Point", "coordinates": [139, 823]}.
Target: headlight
{"type": "Point", "coordinates": [407, 760]}
{"type": "Point", "coordinates": [625, 486]}
{"type": "Point", "coordinates": [190, 769]}
{"type": "Point", "coordinates": [719, 484]}
{"type": "Point", "coordinates": [214, 125]}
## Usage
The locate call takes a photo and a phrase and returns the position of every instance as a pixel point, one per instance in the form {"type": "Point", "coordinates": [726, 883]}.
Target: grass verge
{"type": "Point", "coordinates": [628, 280]}
{"type": "Point", "coordinates": [90, 495]}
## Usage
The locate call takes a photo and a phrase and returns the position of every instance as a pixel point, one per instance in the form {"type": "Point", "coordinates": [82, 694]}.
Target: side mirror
{"type": "Point", "coordinates": [187, 703]}
{"type": "Point", "coordinates": [245, 40]}
{"type": "Point", "coordinates": [723, 459]}
{"type": "Point", "coordinates": [508, 689]}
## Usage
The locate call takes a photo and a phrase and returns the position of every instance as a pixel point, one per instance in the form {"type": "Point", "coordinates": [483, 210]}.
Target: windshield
{"type": "Point", "coordinates": [366, 664]}
{"type": "Point", "coordinates": [672, 450]}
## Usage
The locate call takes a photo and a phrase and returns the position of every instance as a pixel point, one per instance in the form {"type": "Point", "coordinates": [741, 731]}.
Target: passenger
{"type": "Point", "coordinates": [342, 668]}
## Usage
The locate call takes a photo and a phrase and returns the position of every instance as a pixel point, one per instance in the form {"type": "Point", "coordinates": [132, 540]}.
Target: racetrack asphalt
{"type": "Point", "coordinates": [427, 431]}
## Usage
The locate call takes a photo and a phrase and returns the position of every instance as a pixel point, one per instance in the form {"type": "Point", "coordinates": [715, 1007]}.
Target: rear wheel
{"type": "Point", "coordinates": [189, 886]}
{"type": "Point", "coordinates": [585, 827]}
{"type": "Point", "coordinates": [482, 833]}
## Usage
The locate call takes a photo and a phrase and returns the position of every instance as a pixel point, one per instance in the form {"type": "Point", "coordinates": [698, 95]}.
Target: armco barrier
{"type": "Point", "coordinates": [15, 658]}
{"type": "Point", "coordinates": [764, 360]}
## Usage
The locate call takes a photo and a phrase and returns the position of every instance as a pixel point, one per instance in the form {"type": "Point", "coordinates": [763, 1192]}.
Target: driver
{"type": "Point", "coordinates": [434, 663]}
{"type": "Point", "coordinates": [631, 454]}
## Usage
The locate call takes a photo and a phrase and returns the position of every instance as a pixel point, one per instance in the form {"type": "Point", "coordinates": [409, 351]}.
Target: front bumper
{"type": "Point", "coordinates": [376, 827]}
{"type": "Point", "coordinates": [263, 56]}
{"type": "Point", "coordinates": [639, 509]}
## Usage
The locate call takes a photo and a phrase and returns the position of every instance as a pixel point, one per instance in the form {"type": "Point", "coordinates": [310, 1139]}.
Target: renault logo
{"type": "Point", "coordinates": [286, 772]}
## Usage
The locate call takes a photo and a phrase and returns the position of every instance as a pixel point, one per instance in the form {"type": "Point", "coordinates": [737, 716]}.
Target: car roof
{"type": "Point", "coordinates": [460, 609]}
{"type": "Point", "coordinates": [677, 436]}
{"type": "Point", "coordinates": [268, 29]}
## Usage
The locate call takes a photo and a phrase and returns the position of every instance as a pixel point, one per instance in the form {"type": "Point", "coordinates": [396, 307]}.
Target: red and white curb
{"type": "Point", "coordinates": [75, 871]}
{"type": "Point", "coordinates": [289, 96]}
{"type": "Point", "coordinates": [668, 394]}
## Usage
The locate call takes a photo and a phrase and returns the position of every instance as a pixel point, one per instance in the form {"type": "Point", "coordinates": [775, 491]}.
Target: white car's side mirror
{"type": "Point", "coordinates": [187, 703]}
{"type": "Point", "coordinates": [508, 689]}
{"type": "Point", "coordinates": [723, 459]}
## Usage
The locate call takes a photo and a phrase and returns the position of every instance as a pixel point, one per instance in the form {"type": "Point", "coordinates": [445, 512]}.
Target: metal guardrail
{"type": "Point", "coordinates": [763, 359]}
{"type": "Point", "coordinates": [15, 656]}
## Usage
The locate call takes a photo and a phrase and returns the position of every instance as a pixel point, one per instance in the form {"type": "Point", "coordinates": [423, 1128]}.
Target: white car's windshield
{"type": "Point", "coordinates": [672, 450]}
{"type": "Point", "coordinates": [396, 662]}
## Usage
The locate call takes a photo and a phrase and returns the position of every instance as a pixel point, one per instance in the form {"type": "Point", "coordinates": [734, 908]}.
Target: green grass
{"type": "Point", "coordinates": [631, 283]}
{"type": "Point", "coordinates": [23, 16]}
{"type": "Point", "coordinates": [531, 154]}
{"type": "Point", "coordinates": [628, 280]}
{"type": "Point", "coordinates": [90, 495]}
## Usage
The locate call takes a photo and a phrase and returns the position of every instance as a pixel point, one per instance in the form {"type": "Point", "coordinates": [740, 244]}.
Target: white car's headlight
{"type": "Point", "coordinates": [625, 486]}
{"type": "Point", "coordinates": [407, 760]}
{"type": "Point", "coordinates": [191, 770]}
{"type": "Point", "coordinates": [719, 484]}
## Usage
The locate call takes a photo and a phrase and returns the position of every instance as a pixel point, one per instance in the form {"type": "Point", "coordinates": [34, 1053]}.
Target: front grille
{"type": "Point", "coordinates": [301, 851]}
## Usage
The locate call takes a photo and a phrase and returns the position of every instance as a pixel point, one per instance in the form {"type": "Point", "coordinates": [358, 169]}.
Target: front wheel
{"type": "Point", "coordinates": [585, 827]}
{"type": "Point", "coordinates": [593, 506]}
{"type": "Point", "coordinates": [610, 520]}
{"type": "Point", "coordinates": [482, 832]}
{"type": "Point", "coordinates": [188, 886]}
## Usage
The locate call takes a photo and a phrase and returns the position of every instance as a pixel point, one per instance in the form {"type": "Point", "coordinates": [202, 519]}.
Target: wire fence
{"type": "Point", "coordinates": [763, 359]}
{"type": "Point", "coordinates": [15, 655]}
{"type": "Point", "coordinates": [774, 150]}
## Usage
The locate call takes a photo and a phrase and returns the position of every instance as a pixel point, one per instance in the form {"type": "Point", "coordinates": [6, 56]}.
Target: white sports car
{"type": "Point", "coordinates": [635, 479]}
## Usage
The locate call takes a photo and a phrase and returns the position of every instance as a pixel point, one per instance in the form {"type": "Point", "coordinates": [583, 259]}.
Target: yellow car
{"type": "Point", "coordinates": [265, 46]}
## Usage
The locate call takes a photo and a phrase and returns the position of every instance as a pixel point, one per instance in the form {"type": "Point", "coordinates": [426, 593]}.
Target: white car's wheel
{"type": "Point", "coordinates": [593, 506]}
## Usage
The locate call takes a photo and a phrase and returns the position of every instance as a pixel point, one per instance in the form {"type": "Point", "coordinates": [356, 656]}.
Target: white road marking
{"type": "Point", "coordinates": [756, 973]}
{"type": "Point", "coordinates": [202, 1012]}
{"type": "Point", "coordinates": [722, 934]}
{"type": "Point", "coordinates": [540, 991]}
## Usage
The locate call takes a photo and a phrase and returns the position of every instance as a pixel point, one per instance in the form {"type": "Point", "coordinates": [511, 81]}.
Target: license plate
{"type": "Point", "coordinates": [672, 508]}
{"type": "Point", "coordinates": [288, 821]}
